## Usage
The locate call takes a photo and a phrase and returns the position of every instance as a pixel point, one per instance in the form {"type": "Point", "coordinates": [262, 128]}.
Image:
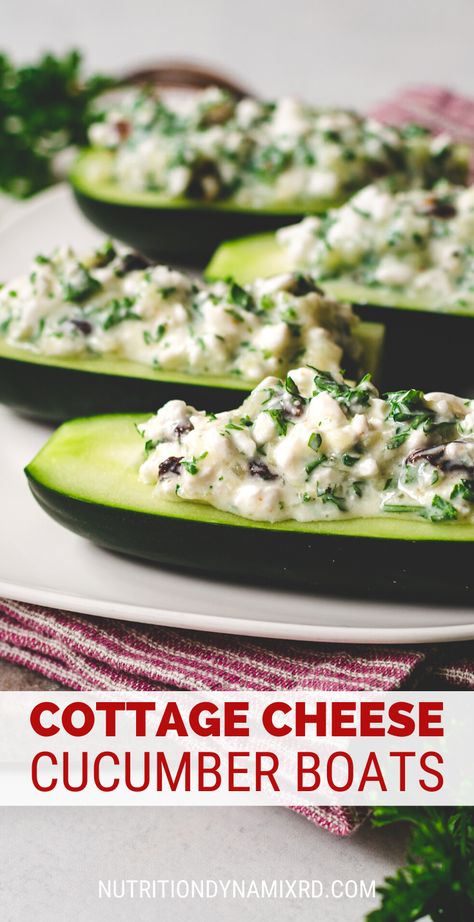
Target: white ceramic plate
{"type": "Point", "coordinates": [43, 563]}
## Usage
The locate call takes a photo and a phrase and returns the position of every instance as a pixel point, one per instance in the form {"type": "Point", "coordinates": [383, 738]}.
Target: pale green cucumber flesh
{"type": "Point", "coordinates": [96, 461]}
{"type": "Point", "coordinates": [261, 255]}
{"type": "Point", "coordinates": [92, 175]}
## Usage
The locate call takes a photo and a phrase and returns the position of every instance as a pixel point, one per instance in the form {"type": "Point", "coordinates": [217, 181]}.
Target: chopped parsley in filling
{"type": "Point", "coordinates": [114, 303]}
{"type": "Point", "coordinates": [419, 243]}
{"type": "Point", "coordinates": [315, 446]}
{"type": "Point", "coordinates": [210, 146]}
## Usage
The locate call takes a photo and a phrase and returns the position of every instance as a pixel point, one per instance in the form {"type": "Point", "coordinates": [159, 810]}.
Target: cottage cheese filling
{"type": "Point", "coordinates": [113, 303]}
{"type": "Point", "coordinates": [209, 146]}
{"type": "Point", "coordinates": [418, 243]}
{"type": "Point", "coordinates": [317, 447]}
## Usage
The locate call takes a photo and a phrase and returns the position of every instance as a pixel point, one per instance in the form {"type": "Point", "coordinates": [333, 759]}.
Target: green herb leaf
{"type": "Point", "coordinates": [441, 510]}
{"type": "Point", "coordinates": [314, 441]}
{"type": "Point", "coordinates": [241, 297]}
{"type": "Point", "coordinates": [403, 509]}
{"type": "Point", "coordinates": [232, 425]}
{"type": "Point", "coordinates": [118, 311]}
{"type": "Point", "coordinates": [192, 466]}
{"type": "Point", "coordinates": [82, 288]}
{"type": "Point", "coordinates": [234, 314]}
{"type": "Point", "coordinates": [279, 419]}
{"type": "Point", "coordinates": [155, 337]}
{"type": "Point", "coordinates": [44, 108]}
{"type": "Point", "coordinates": [437, 880]}
{"type": "Point", "coordinates": [329, 496]}
{"type": "Point", "coordinates": [410, 409]}
{"type": "Point", "coordinates": [314, 464]}
{"type": "Point", "coordinates": [465, 490]}
{"type": "Point", "coordinates": [349, 460]}
{"type": "Point", "coordinates": [359, 395]}
{"type": "Point", "coordinates": [291, 387]}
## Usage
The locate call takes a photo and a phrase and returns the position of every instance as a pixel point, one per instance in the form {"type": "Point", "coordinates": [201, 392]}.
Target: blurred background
{"type": "Point", "coordinates": [325, 50]}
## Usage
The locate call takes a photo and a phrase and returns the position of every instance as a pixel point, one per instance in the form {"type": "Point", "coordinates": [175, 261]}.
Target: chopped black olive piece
{"type": "Point", "coordinates": [182, 428]}
{"type": "Point", "coordinates": [301, 285]}
{"type": "Point", "coordinates": [378, 169]}
{"type": "Point", "coordinates": [260, 469]}
{"type": "Point", "coordinates": [171, 465]}
{"type": "Point", "coordinates": [206, 181]}
{"type": "Point", "coordinates": [437, 457]}
{"type": "Point", "coordinates": [439, 208]}
{"type": "Point", "coordinates": [293, 407]}
{"type": "Point", "coordinates": [133, 262]}
{"type": "Point", "coordinates": [83, 326]}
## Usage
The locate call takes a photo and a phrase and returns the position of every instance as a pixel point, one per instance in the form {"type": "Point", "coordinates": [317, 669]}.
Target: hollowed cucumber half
{"type": "Point", "coordinates": [51, 388]}
{"type": "Point", "coordinates": [86, 478]}
{"type": "Point", "coordinates": [169, 230]}
{"type": "Point", "coordinates": [426, 346]}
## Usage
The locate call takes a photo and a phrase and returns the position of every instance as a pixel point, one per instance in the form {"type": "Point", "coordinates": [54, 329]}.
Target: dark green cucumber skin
{"type": "Point", "coordinates": [188, 236]}
{"type": "Point", "coordinates": [426, 350]}
{"type": "Point", "coordinates": [396, 570]}
{"type": "Point", "coordinates": [56, 394]}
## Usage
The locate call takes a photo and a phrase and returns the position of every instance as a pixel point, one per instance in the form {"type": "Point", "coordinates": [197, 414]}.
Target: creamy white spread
{"type": "Point", "coordinates": [419, 243]}
{"type": "Point", "coordinates": [209, 146]}
{"type": "Point", "coordinates": [113, 303]}
{"type": "Point", "coordinates": [317, 447]}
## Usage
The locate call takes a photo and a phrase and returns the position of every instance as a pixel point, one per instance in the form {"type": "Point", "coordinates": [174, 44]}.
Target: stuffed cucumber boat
{"type": "Point", "coordinates": [174, 179]}
{"type": "Point", "coordinates": [406, 257]}
{"type": "Point", "coordinates": [109, 331]}
{"type": "Point", "coordinates": [177, 229]}
{"type": "Point", "coordinates": [313, 481]}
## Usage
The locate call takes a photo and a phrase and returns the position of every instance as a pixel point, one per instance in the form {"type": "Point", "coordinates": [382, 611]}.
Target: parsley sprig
{"type": "Point", "coordinates": [441, 510]}
{"type": "Point", "coordinates": [191, 466]}
{"type": "Point", "coordinates": [240, 296]}
{"type": "Point", "coordinates": [465, 490]}
{"type": "Point", "coordinates": [117, 311]}
{"type": "Point", "coordinates": [280, 420]}
{"type": "Point", "coordinates": [330, 496]}
{"type": "Point", "coordinates": [347, 394]}
{"type": "Point", "coordinates": [410, 411]}
{"type": "Point", "coordinates": [45, 107]}
{"type": "Point", "coordinates": [437, 880]}
{"type": "Point", "coordinates": [82, 287]}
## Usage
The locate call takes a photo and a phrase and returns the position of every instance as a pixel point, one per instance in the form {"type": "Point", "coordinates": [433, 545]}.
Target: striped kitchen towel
{"type": "Point", "coordinates": [435, 108]}
{"type": "Point", "coordinates": [86, 653]}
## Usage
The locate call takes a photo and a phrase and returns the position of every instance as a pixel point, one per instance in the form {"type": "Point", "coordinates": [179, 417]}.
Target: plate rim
{"type": "Point", "coordinates": [279, 630]}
